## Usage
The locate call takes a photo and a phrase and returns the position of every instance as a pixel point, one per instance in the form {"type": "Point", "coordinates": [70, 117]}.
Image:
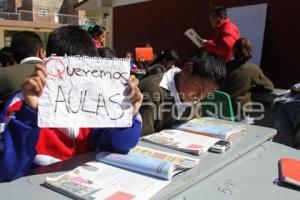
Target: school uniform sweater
{"type": "Point", "coordinates": [241, 79]}
{"type": "Point", "coordinates": [27, 145]}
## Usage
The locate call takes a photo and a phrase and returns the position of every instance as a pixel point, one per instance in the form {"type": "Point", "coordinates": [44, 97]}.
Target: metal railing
{"type": "Point", "coordinates": [25, 15]}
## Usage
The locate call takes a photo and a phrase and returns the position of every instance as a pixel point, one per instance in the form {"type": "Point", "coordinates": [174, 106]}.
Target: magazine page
{"type": "Point", "coordinates": [212, 127]}
{"type": "Point", "coordinates": [182, 141]}
{"type": "Point", "coordinates": [96, 180]}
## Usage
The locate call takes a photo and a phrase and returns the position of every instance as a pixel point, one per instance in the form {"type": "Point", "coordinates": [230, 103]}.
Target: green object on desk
{"type": "Point", "coordinates": [218, 105]}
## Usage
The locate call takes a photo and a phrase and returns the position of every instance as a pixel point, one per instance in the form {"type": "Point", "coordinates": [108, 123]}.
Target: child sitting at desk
{"type": "Point", "coordinates": [27, 145]}
{"type": "Point", "coordinates": [170, 96]}
{"type": "Point", "coordinates": [242, 77]}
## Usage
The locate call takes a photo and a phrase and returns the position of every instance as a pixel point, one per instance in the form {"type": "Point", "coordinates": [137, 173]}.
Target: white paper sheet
{"type": "Point", "coordinates": [251, 22]}
{"type": "Point", "coordinates": [192, 35]}
{"type": "Point", "coordinates": [85, 92]}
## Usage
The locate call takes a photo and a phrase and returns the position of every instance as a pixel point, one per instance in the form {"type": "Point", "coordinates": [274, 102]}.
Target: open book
{"type": "Point", "coordinates": [137, 175]}
{"type": "Point", "coordinates": [212, 127]}
{"type": "Point", "coordinates": [182, 141]}
{"type": "Point", "coordinates": [194, 37]}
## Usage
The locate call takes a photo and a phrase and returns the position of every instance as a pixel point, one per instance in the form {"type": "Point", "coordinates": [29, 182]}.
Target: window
{"type": "Point", "coordinates": [3, 5]}
{"type": "Point", "coordinates": [43, 11]}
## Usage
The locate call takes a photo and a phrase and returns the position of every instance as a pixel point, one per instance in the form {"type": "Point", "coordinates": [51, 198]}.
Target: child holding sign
{"type": "Point", "coordinates": [27, 145]}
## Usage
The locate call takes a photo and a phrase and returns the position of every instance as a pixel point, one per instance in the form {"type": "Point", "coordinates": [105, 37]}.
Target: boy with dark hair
{"type": "Point", "coordinates": [27, 49]}
{"type": "Point", "coordinates": [224, 35]}
{"type": "Point", "coordinates": [170, 97]}
{"type": "Point", "coordinates": [26, 44]}
{"type": "Point", "coordinates": [63, 41]}
{"type": "Point", "coordinates": [27, 145]}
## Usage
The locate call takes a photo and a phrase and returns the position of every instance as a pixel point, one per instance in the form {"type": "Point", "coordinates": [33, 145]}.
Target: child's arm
{"type": "Point", "coordinates": [21, 132]}
{"type": "Point", "coordinates": [20, 136]}
{"type": "Point", "coordinates": [119, 140]}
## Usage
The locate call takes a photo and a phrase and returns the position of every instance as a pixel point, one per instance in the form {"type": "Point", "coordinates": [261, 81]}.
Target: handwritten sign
{"type": "Point", "coordinates": [85, 92]}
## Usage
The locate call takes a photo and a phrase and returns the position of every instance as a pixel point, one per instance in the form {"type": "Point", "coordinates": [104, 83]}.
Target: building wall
{"type": "Point", "coordinates": [162, 24]}
{"type": "Point", "coordinates": [54, 8]}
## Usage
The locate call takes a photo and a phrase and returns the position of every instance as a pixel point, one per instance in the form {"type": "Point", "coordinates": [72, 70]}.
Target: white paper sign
{"type": "Point", "coordinates": [192, 35]}
{"type": "Point", "coordinates": [85, 92]}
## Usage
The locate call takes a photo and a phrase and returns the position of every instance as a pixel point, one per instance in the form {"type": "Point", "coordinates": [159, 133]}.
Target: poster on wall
{"type": "Point", "coordinates": [251, 21]}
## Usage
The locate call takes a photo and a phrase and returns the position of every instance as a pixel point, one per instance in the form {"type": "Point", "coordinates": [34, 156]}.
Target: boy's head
{"type": "Point", "coordinates": [26, 44]}
{"type": "Point", "coordinates": [70, 40]}
{"type": "Point", "coordinates": [217, 15]}
{"type": "Point", "coordinates": [167, 58]}
{"type": "Point", "coordinates": [200, 76]}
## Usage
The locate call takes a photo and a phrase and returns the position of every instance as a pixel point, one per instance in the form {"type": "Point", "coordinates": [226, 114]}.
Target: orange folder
{"type": "Point", "coordinates": [144, 53]}
{"type": "Point", "coordinates": [289, 171]}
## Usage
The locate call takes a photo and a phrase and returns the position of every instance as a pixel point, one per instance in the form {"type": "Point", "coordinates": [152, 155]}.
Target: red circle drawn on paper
{"type": "Point", "coordinates": [59, 72]}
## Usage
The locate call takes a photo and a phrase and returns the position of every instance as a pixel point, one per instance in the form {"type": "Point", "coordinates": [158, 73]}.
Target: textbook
{"type": "Point", "coordinates": [212, 127]}
{"type": "Point", "coordinates": [137, 175]}
{"type": "Point", "coordinates": [182, 141]}
{"type": "Point", "coordinates": [194, 37]}
{"type": "Point", "coordinates": [289, 171]}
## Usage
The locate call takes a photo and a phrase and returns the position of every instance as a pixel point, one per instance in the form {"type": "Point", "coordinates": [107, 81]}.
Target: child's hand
{"type": "Point", "coordinates": [32, 86]}
{"type": "Point", "coordinates": [135, 96]}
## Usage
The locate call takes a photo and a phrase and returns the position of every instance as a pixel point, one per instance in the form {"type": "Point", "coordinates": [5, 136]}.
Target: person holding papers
{"type": "Point", "coordinates": [27, 145]}
{"type": "Point", "coordinates": [172, 96]}
{"type": "Point", "coordinates": [224, 35]}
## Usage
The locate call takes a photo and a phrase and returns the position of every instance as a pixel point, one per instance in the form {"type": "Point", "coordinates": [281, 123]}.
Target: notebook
{"type": "Point", "coordinates": [289, 171]}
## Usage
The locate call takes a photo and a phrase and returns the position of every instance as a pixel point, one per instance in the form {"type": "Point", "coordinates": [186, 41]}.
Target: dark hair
{"type": "Point", "coordinates": [106, 52]}
{"type": "Point", "coordinates": [210, 66]}
{"type": "Point", "coordinates": [169, 55]}
{"type": "Point", "coordinates": [242, 50]}
{"type": "Point", "coordinates": [6, 57]}
{"type": "Point", "coordinates": [25, 44]}
{"type": "Point", "coordinates": [96, 30]}
{"type": "Point", "coordinates": [70, 40]}
{"type": "Point", "coordinates": [220, 11]}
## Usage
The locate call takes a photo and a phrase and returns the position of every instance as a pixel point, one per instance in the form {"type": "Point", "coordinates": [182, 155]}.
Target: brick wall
{"type": "Point", "coordinates": [162, 23]}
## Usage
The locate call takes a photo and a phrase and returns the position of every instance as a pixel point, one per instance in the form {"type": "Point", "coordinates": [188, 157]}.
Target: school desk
{"type": "Point", "coordinates": [30, 186]}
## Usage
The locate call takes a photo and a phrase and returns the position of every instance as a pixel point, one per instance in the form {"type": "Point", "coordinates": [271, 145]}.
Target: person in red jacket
{"type": "Point", "coordinates": [224, 35]}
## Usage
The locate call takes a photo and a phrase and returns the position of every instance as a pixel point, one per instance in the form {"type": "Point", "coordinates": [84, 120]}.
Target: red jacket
{"type": "Point", "coordinates": [224, 37]}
